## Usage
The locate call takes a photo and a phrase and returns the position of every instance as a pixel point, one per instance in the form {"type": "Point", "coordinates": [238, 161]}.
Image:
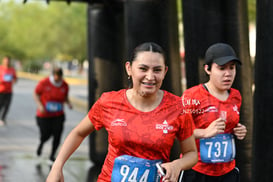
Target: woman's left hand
{"type": "Point", "coordinates": [240, 131]}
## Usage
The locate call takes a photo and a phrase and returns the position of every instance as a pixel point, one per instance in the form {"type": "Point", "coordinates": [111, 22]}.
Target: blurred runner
{"type": "Point", "coordinates": [7, 79]}
{"type": "Point", "coordinates": [50, 95]}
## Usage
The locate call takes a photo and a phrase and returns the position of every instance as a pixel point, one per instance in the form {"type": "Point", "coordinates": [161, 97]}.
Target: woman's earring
{"type": "Point", "coordinates": [130, 82]}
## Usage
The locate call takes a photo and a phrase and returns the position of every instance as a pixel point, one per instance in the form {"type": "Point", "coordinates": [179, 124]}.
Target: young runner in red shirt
{"type": "Point", "coordinates": [142, 123]}
{"type": "Point", "coordinates": [215, 108]}
{"type": "Point", "coordinates": [50, 94]}
{"type": "Point", "coordinates": [7, 79]}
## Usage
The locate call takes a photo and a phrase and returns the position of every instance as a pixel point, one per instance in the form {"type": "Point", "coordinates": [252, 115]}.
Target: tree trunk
{"type": "Point", "coordinates": [263, 97]}
{"type": "Point", "coordinates": [244, 151]}
{"type": "Point", "coordinates": [104, 48]}
{"type": "Point", "coordinates": [156, 21]}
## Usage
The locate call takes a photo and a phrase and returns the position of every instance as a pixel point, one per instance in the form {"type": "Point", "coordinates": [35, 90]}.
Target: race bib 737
{"type": "Point", "coordinates": [220, 148]}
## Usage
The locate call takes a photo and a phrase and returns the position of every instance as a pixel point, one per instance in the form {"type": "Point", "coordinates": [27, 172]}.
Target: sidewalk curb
{"type": "Point", "coordinates": [79, 104]}
{"type": "Point", "coordinates": [37, 77]}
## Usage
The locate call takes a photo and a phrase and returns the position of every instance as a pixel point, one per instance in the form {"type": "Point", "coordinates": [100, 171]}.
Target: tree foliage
{"type": "Point", "coordinates": [252, 10]}
{"type": "Point", "coordinates": [40, 32]}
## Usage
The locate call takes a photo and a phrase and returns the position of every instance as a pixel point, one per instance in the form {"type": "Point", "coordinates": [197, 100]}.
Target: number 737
{"type": "Point", "coordinates": [219, 147]}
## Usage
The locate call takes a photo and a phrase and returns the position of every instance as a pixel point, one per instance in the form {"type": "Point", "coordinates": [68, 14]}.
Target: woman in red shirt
{"type": "Point", "coordinates": [50, 94]}
{"type": "Point", "coordinates": [142, 123]}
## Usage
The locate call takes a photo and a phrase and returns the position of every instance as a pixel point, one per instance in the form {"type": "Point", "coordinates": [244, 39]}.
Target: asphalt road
{"type": "Point", "coordinates": [20, 137]}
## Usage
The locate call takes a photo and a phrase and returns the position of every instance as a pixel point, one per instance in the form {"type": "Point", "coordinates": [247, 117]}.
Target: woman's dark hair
{"type": "Point", "coordinates": [57, 71]}
{"type": "Point", "coordinates": [209, 66]}
{"type": "Point", "coordinates": [147, 46]}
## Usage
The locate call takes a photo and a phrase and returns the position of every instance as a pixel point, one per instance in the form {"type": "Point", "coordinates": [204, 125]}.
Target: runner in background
{"type": "Point", "coordinates": [215, 108]}
{"type": "Point", "coordinates": [7, 79]}
{"type": "Point", "coordinates": [50, 95]}
{"type": "Point", "coordinates": [142, 123]}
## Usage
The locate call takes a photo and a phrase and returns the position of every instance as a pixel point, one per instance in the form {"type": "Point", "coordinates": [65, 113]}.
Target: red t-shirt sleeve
{"type": "Point", "coordinates": [39, 87]}
{"type": "Point", "coordinates": [237, 98]}
{"type": "Point", "coordinates": [95, 115]}
{"type": "Point", "coordinates": [186, 127]}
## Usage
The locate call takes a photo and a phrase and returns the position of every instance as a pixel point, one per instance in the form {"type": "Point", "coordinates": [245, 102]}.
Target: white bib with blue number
{"type": "Point", "coordinates": [220, 148]}
{"type": "Point", "coordinates": [54, 106]}
{"type": "Point", "coordinates": [133, 169]}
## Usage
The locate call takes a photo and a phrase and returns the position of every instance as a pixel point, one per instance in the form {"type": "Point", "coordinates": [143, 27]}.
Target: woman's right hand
{"type": "Point", "coordinates": [41, 108]}
{"type": "Point", "coordinates": [216, 127]}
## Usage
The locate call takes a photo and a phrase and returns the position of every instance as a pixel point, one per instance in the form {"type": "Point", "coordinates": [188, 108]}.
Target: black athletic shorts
{"type": "Point", "coordinates": [193, 176]}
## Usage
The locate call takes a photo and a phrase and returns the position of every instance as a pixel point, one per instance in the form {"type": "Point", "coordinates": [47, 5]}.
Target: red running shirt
{"type": "Point", "coordinates": [7, 76]}
{"type": "Point", "coordinates": [50, 93]}
{"type": "Point", "coordinates": [206, 108]}
{"type": "Point", "coordinates": [148, 135]}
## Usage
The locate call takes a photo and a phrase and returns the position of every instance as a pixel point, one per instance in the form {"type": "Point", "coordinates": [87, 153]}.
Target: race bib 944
{"type": "Point", "coordinates": [133, 169]}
